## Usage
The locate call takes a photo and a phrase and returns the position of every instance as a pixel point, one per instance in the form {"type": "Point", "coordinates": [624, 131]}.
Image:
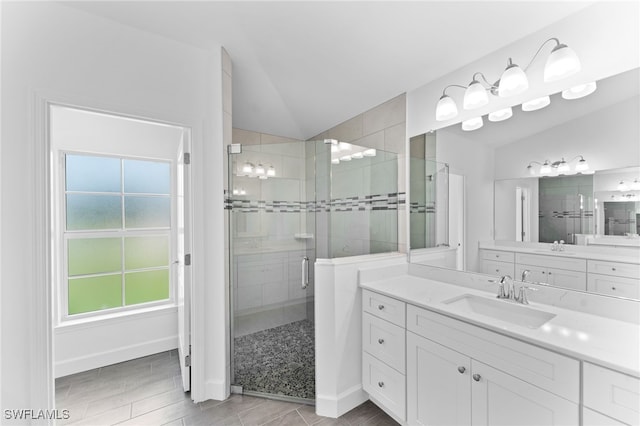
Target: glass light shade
{"type": "Point", "coordinates": [561, 63]}
{"type": "Point", "coordinates": [345, 158]}
{"type": "Point", "coordinates": [531, 169]}
{"type": "Point", "coordinates": [579, 91]}
{"type": "Point", "coordinates": [446, 108]}
{"type": "Point", "coordinates": [501, 114]}
{"type": "Point", "coordinates": [243, 192]}
{"type": "Point", "coordinates": [472, 124]}
{"type": "Point", "coordinates": [513, 81]}
{"type": "Point", "coordinates": [357, 155]}
{"type": "Point", "coordinates": [475, 96]}
{"type": "Point", "coordinates": [622, 186]}
{"type": "Point", "coordinates": [262, 177]}
{"type": "Point", "coordinates": [335, 161]}
{"type": "Point", "coordinates": [536, 104]}
{"type": "Point", "coordinates": [635, 185]}
{"type": "Point", "coordinates": [334, 148]}
{"type": "Point", "coordinates": [271, 172]}
{"type": "Point", "coordinates": [344, 146]}
{"type": "Point", "coordinates": [563, 167]}
{"type": "Point", "coordinates": [545, 169]}
{"type": "Point", "coordinates": [369, 152]}
{"type": "Point", "coordinates": [247, 168]}
{"type": "Point", "coordinates": [582, 165]}
{"type": "Point", "coordinates": [236, 192]}
{"type": "Point", "coordinates": [260, 170]}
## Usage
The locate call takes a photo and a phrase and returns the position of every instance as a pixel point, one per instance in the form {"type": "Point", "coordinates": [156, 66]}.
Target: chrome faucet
{"type": "Point", "coordinates": [522, 295]}
{"type": "Point", "coordinates": [509, 293]}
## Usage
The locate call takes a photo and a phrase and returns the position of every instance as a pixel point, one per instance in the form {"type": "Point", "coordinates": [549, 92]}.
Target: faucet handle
{"type": "Point", "coordinates": [522, 296]}
{"type": "Point", "coordinates": [502, 293]}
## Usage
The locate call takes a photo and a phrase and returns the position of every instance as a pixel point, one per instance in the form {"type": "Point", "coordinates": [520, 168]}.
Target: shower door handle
{"type": "Point", "coordinates": [305, 272]}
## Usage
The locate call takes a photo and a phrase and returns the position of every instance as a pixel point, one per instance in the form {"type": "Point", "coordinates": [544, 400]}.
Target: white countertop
{"type": "Point", "coordinates": [570, 251]}
{"type": "Point", "coordinates": [604, 341]}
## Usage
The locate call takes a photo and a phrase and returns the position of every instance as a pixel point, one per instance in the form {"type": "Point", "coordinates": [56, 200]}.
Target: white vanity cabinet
{"type": "Point", "coordinates": [557, 270]}
{"type": "Point", "coordinates": [609, 397]}
{"type": "Point", "coordinates": [461, 374]}
{"type": "Point", "coordinates": [496, 262]}
{"type": "Point", "coordinates": [613, 278]}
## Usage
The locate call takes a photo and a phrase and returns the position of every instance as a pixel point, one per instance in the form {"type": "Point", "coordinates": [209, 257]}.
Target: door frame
{"type": "Point", "coordinates": [42, 380]}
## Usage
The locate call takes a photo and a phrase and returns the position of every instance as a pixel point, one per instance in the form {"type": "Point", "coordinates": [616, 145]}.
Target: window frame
{"type": "Point", "coordinates": [64, 235]}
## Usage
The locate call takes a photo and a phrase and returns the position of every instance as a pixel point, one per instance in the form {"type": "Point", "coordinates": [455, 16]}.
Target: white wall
{"type": "Point", "coordinates": [53, 51]}
{"type": "Point", "coordinates": [475, 162]}
{"type": "Point", "coordinates": [606, 37]}
{"type": "Point", "coordinates": [338, 325]}
{"type": "Point", "coordinates": [607, 138]}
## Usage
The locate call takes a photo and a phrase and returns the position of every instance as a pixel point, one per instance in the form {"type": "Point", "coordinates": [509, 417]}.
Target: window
{"type": "Point", "coordinates": [117, 233]}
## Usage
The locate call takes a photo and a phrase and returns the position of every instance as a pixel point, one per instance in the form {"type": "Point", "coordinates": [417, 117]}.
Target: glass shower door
{"type": "Point", "coordinates": [271, 206]}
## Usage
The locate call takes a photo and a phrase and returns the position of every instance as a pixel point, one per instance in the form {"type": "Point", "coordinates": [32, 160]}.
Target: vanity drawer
{"type": "Point", "coordinates": [494, 267]}
{"type": "Point", "coordinates": [553, 261]}
{"type": "Point", "coordinates": [501, 256]}
{"type": "Point", "coordinates": [613, 286]}
{"type": "Point", "coordinates": [548, 370]}
{"type": "Point", "coordinates": [384, 341]}
{"type": "Point", "coordinates": [593, 418]}
{"type": "Point", "coordinates": [612, 393]}
{"type": "Point", "coordinates": [384, 307]}
{"type": "Point", "coordinates": [618, 269]}
{"type": "Point", "coordinates": [385, 385]}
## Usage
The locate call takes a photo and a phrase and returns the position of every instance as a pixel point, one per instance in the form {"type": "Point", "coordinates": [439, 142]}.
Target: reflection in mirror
{"type": "Point", "coordinates": [595, 213]}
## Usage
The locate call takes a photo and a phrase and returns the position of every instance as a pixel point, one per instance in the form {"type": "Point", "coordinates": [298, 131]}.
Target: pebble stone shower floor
{"type": "Point", "coordinates": [278, 360]}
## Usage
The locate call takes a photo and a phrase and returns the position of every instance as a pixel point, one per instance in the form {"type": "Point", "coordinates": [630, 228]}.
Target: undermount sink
{"type": "Point", "coordinates": [502, 310]}
{"type": "Point", "coordinates": [563, 253]}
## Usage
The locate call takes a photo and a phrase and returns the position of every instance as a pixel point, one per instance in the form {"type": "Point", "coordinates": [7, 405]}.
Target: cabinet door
{"type": "Point", "coordinates": [438, 384]}
{"type": "Point", "coordinates": [568, 279]}
{"type": "Point", "coordinates": [536, 274]}
{"type": "Point", "coordinates": [494, 267]}
{"type": "Point", "coordinates": [501, 399]}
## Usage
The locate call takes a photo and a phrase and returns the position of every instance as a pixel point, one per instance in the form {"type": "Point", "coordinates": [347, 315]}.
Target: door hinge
{"type": "Point", "coordinates": [187, 361]}
{"type": "Point", "coordinates": [187, 158]}
{"type": "Point", "coordinates": [187, 259]}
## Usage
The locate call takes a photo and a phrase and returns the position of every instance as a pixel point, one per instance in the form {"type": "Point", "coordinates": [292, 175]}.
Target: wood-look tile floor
{"type": "Point", "coordinates": [148, 391]}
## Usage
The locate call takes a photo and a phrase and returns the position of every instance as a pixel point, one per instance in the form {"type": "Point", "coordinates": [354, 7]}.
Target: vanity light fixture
{"type": "Point", "coordinates": [536, 104]}
{"type": "Point", "coordinates": [335, 161]}
{"type": "Point", "coordinates": [247, 168]}
{"type": "Point", "coordinates": [561, 62]}
{"type": "Point", "coordinates": [472, 124]}
{"type": "Point", "coordinates": [369, 152]}
{"type": "Point", "coordinates": [271, 171]}
{"type": "Point", "coordinates": [560, 167]}
{"type": "Point", "coordinates": [635, 185]}
{"type": "Point", "coordinates": [260, 170]}
{"type": "Point", "coordinates": [357, 155]}
{"type": "Point", "coordinates": [579, 91]}
{"type": "Point", "coordinates": [623, 186]}
{"type": "Point", "coordinates": [345, 158]}
{"type": "Point", "coordinates": [501, 114]}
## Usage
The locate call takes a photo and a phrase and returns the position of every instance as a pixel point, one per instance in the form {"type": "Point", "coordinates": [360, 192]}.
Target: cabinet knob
{"type": "Point", "coordinates": [549, 273]}
{"type": "Point", "coordinates": [613, 288]}
{"type": "Point", "coordinates": [381, 384]}
{"type": "Point", "coordinates": [381, 341]}
{"type": "Point", "coordinates": [613, 269]}
{"type": "Point", "coordinates": [461, 369]}
{"type": "Point", "coordinates": [497, 270]}
{"type": "Point", "coordinates": [476, 377]}
{"type": "Point", "coordinates": [381, 307]}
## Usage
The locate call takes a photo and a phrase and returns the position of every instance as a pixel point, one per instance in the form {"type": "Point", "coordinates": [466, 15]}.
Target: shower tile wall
{"type": "Point", "coordinates": [359, 232]}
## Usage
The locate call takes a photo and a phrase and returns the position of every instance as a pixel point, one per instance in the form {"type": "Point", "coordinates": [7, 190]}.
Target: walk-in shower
{"type": "Point", "coordinates": [289, 204]}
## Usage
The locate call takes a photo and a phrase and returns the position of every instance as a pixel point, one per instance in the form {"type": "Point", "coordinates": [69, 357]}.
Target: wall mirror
{"type": "Point", "coordinates": [598, 206]}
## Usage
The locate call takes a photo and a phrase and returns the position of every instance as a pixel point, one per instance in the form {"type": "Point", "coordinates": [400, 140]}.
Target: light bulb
{"type": "Point", "coordinates": [545, 169]}
{"type": "Point", "coordinates": [247, 168]}
{"type": "Point", "coordinates": [236, 192]}
{"type": "Point", "coordinates": [472, 124]}
{"type": "Point", "coordinates": [357, 155]}
{"type": "Point", "coordinates": [345, 158]}
{"type": "Point", "coordinates": [369, 152]}
{"type": "Point", "coordinates": [271, 172]}
{"type": "Point", "coordinates": [501, 114]}
{"type": "Point", "coordinates": [582, 165]}
{"type": "Point", "coordinates": [513, 81]}
{"type": "Point", "coordinates": [579, 91]}
{"type": "Point", "coordinates": [563, 167]}
{"type": "Point", "coordinates": [335, 161]}
{"type": "Point", "coordinates": [562, 62]}
{"type": "Point", "coordinates": [242, 192]}
{"type": "Point", "coordinates": [260, 170]}
{"type": "Point", "coordinates": [446, 108]}
{"type": "Point", "coordinates": [536, 104]}
{"type": "Point", "coordinates": [475, 96]}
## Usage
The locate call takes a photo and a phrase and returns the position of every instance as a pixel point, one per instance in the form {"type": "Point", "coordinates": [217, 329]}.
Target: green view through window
{"type": "Point", "coordinates": [117, 232]}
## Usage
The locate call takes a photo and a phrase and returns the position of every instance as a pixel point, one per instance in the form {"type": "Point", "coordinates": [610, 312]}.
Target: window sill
{"type": "Point", "coordinates": [114, 318]}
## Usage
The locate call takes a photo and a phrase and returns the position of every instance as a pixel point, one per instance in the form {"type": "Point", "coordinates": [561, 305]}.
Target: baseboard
{"type": "Point", "coordinates": [126, 353]}
{"type": "Point", "coordinates": [330, 406]}
{"type": "Point", "coordinates": [217, 390]}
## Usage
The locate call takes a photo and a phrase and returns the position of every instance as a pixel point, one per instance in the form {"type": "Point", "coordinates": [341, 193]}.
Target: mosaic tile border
{"type": "Point", "coordinates": [349, 204]}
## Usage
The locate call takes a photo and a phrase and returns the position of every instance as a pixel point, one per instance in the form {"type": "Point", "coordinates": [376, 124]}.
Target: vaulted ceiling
{"type": "Point", "coordinates": [301, 67]}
